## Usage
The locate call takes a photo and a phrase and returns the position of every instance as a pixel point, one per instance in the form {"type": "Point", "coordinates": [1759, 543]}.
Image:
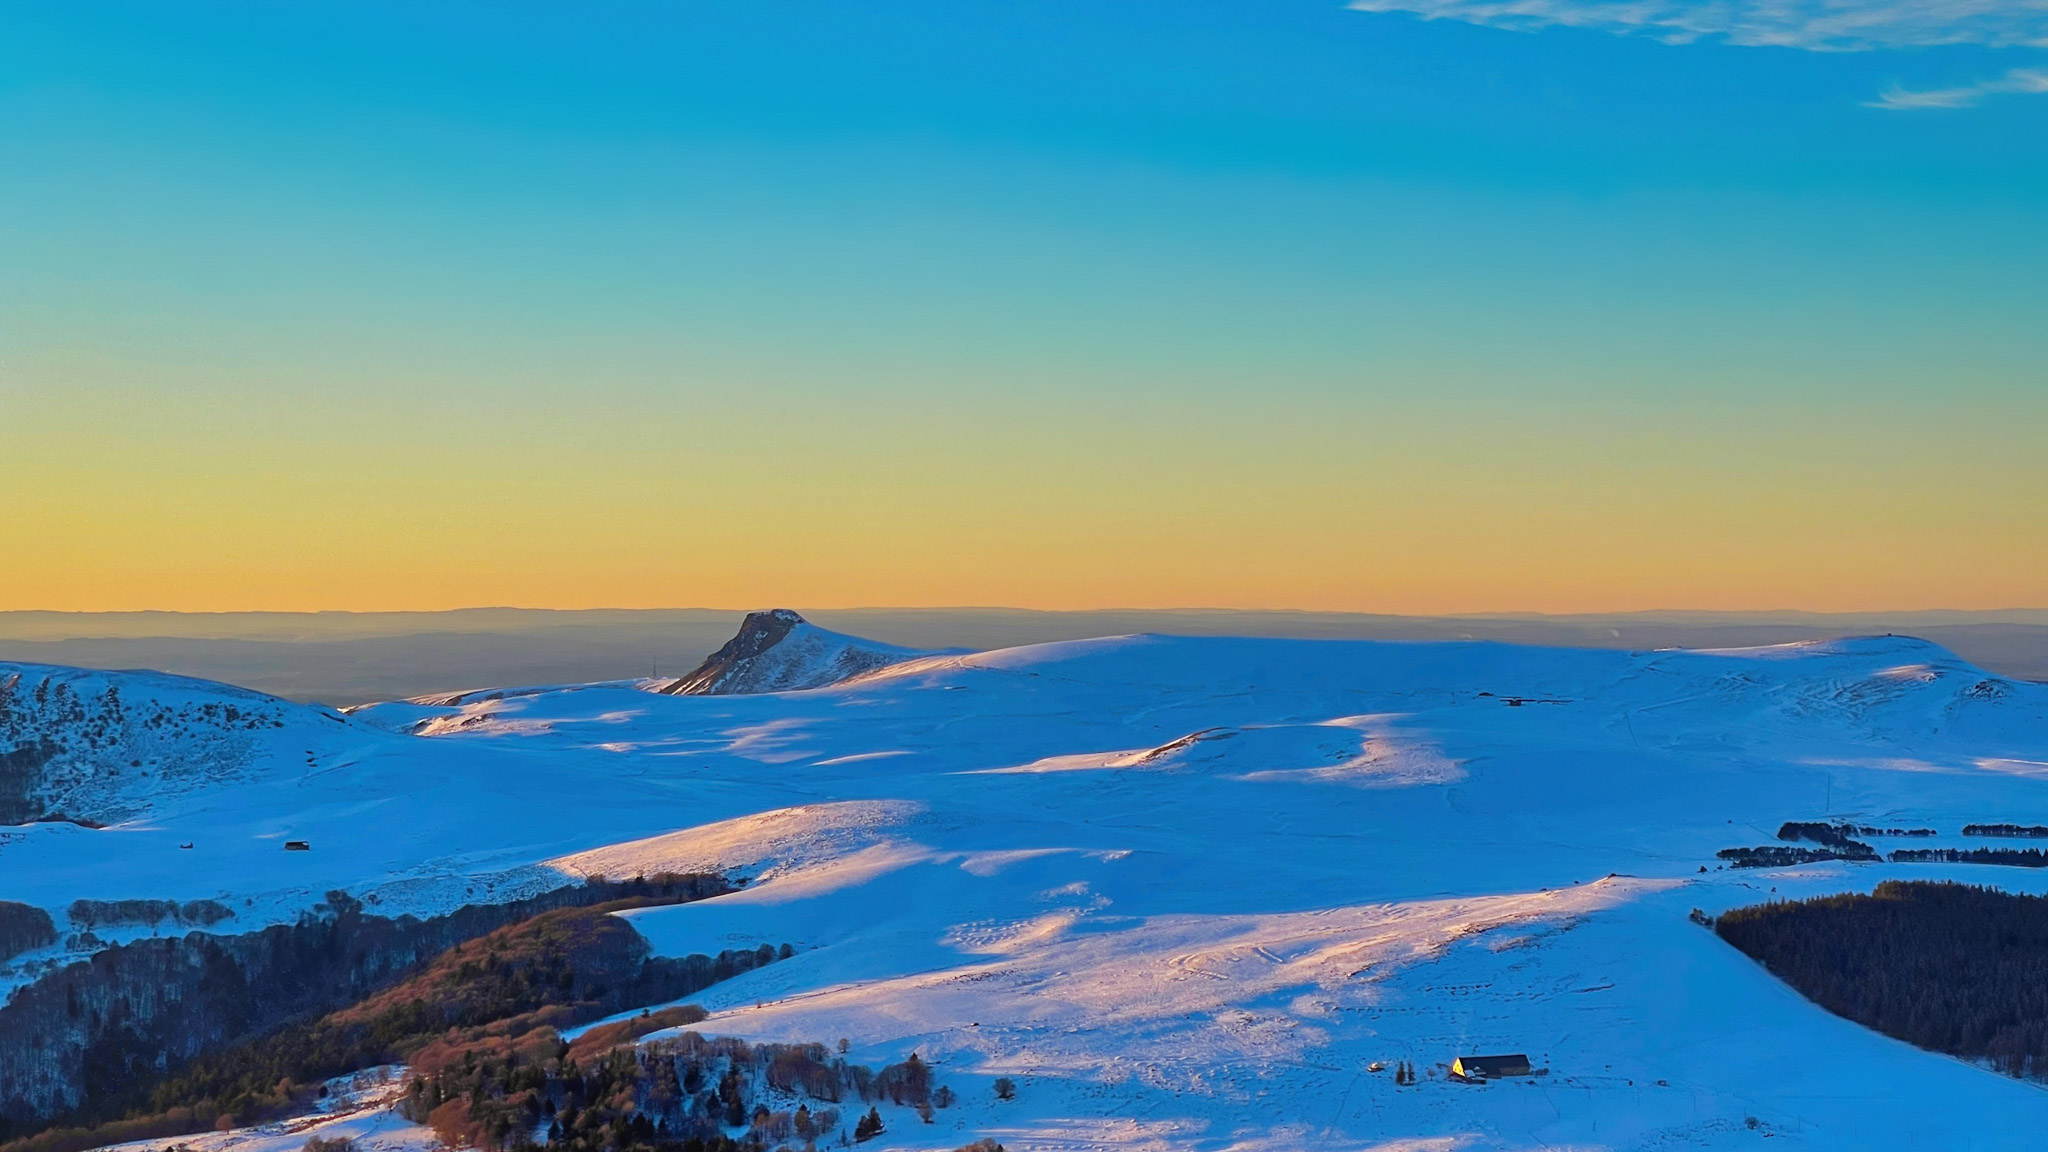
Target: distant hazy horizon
{"type": "Point", "coordinates": [345, 658]}
{"type": "Point", "coordinates": [59, 624]}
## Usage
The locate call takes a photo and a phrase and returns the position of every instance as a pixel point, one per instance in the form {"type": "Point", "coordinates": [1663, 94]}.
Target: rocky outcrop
{"type": "Point", "coordinates": [779, 651]}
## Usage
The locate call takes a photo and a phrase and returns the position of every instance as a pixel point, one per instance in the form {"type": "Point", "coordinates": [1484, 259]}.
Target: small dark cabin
{"type": "Point", "coordinates": [1490, 1067]}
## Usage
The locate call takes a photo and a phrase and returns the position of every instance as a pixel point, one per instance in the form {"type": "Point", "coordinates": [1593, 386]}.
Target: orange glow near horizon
{"type": "Point", "coordinates": [287, 508]}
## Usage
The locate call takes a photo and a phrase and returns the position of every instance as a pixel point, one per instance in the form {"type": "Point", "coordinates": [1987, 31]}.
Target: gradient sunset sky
{"type": "Point", "coordinates": [1413, 306]}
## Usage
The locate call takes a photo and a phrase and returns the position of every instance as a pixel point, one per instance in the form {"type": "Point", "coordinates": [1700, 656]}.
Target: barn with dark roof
{"type": "Point", "coordinates": [1490, 1067]}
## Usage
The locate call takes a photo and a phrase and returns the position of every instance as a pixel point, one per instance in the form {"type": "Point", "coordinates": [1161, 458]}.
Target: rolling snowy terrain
{"type": "Point", "coordinates": [1185, 892]}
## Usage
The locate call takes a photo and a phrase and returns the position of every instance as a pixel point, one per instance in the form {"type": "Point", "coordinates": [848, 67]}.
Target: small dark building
{"type": "Point", "coordinates": [297, 846]}
{"type": "Point", "coordinates": [1490, 1067]}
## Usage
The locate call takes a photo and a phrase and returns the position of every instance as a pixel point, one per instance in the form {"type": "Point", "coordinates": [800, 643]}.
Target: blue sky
{"type": "Point", "coordinates": [1746, 298]}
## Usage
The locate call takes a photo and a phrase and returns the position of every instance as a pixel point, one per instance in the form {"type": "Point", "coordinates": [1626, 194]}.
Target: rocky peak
{"type": "Point", "coordinates": [779, 651]}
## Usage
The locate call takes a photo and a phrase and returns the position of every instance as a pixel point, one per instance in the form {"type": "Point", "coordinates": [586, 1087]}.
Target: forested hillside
{"type": "Point", "coordinates": [1953, 967]}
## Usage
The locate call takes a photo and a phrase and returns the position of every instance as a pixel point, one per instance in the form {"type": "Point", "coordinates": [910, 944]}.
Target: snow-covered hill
{"type": "Point", "coordinates": [104, 746]}
{"type": "Point", "coordinates": [1187, 892]}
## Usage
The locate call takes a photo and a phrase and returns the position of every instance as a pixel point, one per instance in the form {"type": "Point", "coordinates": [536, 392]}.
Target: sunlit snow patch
{"type": "Point", "coordinates": [1363, 751]}
{"type": "Point", "coordinates": [761, 845]}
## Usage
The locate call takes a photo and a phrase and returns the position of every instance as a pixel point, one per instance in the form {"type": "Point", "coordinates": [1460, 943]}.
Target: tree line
{"type": "Point", "coordinates": [556, 969]}
{"type": "Point", "coordinates": [1952, 967]}
{"type": "Point", "coordinates": [691, 1093]}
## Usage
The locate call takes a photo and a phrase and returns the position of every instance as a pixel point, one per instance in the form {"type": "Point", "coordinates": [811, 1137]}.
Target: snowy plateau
{"type": "Point", "coordinates": [1184, 892]}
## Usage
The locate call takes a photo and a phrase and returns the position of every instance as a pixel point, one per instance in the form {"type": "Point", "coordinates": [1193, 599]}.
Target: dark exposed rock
{"type": "Point", "coordinates": [778, 651]}
{"type": "Point", "coordinates": [759, 632]}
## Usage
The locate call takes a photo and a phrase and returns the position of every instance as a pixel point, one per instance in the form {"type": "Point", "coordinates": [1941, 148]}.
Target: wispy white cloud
{"type": "Point", "coordinates": [2016, 82]}
{"type": "Point", "coordinates": [1816, 25]}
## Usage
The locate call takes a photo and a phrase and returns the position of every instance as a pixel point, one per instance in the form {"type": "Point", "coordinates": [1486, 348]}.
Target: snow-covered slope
{"type": "Point", "coordinates": [104, 746]}
{"type": "Point", "coordinates": [1187, 892]}
{"type": "Point", "coordinates": [779, 651]}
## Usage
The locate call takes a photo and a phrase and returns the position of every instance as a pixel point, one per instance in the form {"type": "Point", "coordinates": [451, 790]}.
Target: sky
{"type": "Point", "coordinates": [1407, 306]}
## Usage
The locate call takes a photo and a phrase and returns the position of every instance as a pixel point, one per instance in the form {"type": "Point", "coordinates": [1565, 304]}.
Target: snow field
{"type": "Point", "coordinates": [1187, 891]}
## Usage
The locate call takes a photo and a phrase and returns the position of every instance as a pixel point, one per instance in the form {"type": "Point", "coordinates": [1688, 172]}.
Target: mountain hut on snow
{"type": "Point", "coordinates": [1490, 1067]}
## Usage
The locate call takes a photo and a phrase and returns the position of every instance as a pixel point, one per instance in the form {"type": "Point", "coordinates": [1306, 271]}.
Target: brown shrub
{"type": "Point", "coordinates": [803, 1067]}
{"type": "Point", "coordinates": [452, 1123]}
{"type": "Point", "coordinates": [176, 1122]}
{"type": "Point", "coordinates": [772, 1127]}
{"type": "Point", "coordinates": [606, 1036]}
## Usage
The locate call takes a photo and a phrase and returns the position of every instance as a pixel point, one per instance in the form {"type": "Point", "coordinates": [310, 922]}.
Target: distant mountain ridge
{"type": "Point", "coordinates": [344, 658]}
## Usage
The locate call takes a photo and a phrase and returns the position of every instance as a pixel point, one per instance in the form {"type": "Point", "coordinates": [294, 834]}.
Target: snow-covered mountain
{"type": "Point", "coordinates": [779, 651]}
{"type": "Point", "coordinates": [1188, 892]}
